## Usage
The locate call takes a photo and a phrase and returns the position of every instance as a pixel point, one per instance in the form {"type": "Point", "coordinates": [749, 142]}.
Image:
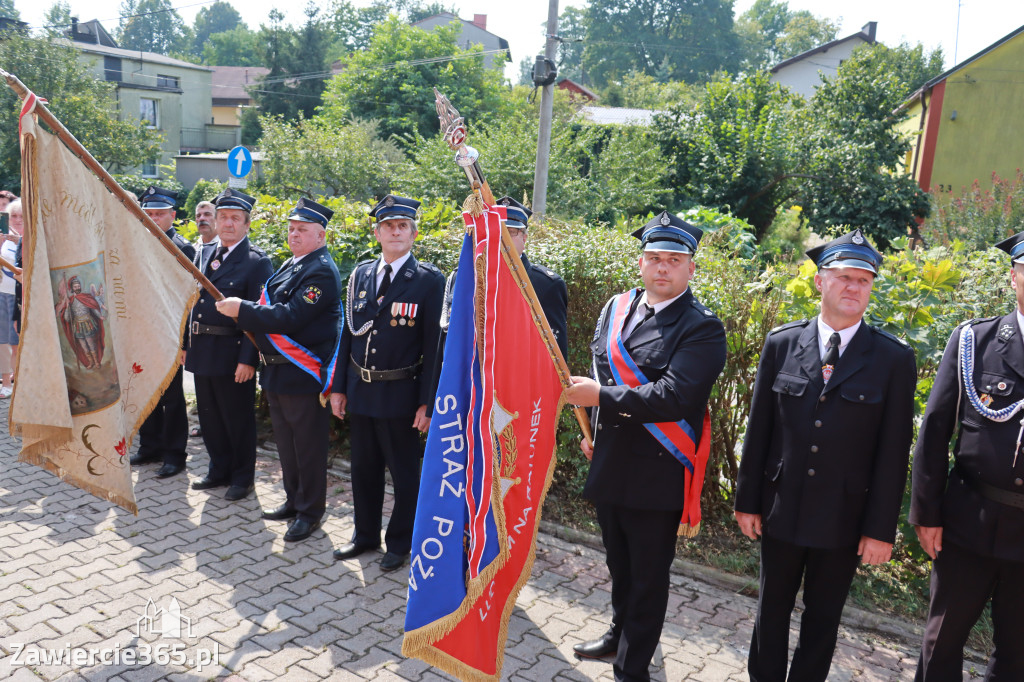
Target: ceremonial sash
{"type": "Point", "coordinates": [302, 357]}
{"type": "Point", "coordinates": [679, 438]}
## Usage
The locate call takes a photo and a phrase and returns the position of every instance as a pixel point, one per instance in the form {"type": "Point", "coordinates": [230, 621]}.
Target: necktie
{"type": "Point", "coordinates": [648, 314]}
{"type": "Point", "coordinates": [385, 283]}
{"type": "Point", "coordinates": [828, 363]}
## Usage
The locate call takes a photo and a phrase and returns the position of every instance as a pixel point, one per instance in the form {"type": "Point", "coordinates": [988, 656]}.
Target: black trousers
{"type": "Point", "coordinates": [826, 575]}
{"type": "Point", "coordinates": [962, 583]}
{"type": "Point", "coordinates": [227, 417]}
{"type": "Point", "coordinates": [640, 545]}
{"type": "Point", "coordinates": [301, 431]}
{"type": "Point", "coordinates": [378, 442]}
{"type": "Point", "coordinates": [165, 431]}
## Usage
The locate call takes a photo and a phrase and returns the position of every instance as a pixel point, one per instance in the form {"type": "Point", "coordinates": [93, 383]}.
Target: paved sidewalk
{"type": "Point", "coordinates": [76, 574]}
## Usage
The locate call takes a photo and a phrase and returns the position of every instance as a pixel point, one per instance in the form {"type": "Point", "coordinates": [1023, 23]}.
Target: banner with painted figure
{"type": "Point", "coordinates": [489, 459]}
{"type": "Point", "coordinates": [104, 309]}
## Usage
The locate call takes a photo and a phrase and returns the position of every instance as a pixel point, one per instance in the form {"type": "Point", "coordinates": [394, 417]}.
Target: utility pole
{"type": "Point", "coordinates": [547, 96]}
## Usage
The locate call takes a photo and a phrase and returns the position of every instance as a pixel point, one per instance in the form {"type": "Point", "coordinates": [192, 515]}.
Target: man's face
{"type": "Point", "coordinates": [205, 222]}
{"type": "Point", "coordinates": [1017, 282]}
{"type": "Point", "coordinates": [518, 235]}
{"type": "Point", "coordinates": [17, 222]}
{"type": "Point", "coordinates": [666, 274]}
{"type": "Point", "coordinates": [304, 237]}
{"type": "Point", "coordinates": [163, 217]}
{"type": "Point", "coordinates": [76, 287]}
{"type": "Point", "coordinates": [396, 237]}
{"type": "Point", "coordinates": [845, 293]}
{"type": "Point", "coordinates": [232, 225]}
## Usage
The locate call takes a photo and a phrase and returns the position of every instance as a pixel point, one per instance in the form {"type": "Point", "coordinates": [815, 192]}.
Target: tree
{"type": "Point", "coordinates": [686, 40]}
{"type": "Point", "coordinates": [237, 47]}
{"type": "Point", "coordinates": [769, 32]}
{"type": "Point", "coordinates": [57, 20]}
{"type": "Point", "coordinates": [309, 62]}
{"type": "Point", "coordinates": [392, 80]}
{"type": "Point", "coordinates": [572, 28]}
{"type": "Point", "coordinates": [85, 105]}
{"type": "Point", "coordinates": [8, 10]}
{"type": "Point", "coordinates": [217, 18]}
{"type": "Point", "coordinates": [297, 63]}
{"type": "Point", "coordinates": [275, 49]}
{"type": "Point", "coordinates": [736, 150]}
{"type": "Point", "coordinates": [152, 26]}
{"type": "Point", "coordinates": [854, 151]}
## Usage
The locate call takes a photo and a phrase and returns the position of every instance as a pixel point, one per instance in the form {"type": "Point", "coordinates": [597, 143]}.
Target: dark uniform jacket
{"type": "Point", "coordinates": [681, 351]}
{"type": "Point", "coordinates": [304, 305]}
{"type": "Point", "coordinates": [179, 241]}
{"type": "Point", "coordinates": [554, 300]}
{"type": "Point", "coordinates": [392, 340]}
{"type": "Point", "coordinates": [984, 449]}
{"type": "Point", "coordinates": [825, 466]}
{"type": "Point", "coordinates": [243, 273]}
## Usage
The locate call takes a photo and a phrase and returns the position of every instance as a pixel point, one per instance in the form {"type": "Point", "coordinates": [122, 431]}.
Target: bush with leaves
{"type": "Point", "coordinates": [978, 217]}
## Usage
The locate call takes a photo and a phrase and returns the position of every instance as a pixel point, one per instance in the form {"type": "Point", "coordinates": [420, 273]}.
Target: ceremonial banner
{"type": "Point", "coordinates": [104, 309]}
{"type": "Point", "coordinates": [488, 464]}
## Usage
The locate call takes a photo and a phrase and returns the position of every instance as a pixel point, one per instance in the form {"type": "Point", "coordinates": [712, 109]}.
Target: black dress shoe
{"type": "Point", "coordinates": [206, 483]}
{"type": "Point", "coordinates": [300, 530]}
{"type": "Point", "coordinates": [352, 550]}
{"type": "Point", "coordinates": [603, 647]}
{"type": "Point", "coordinates": [392, 561]}
{"type": "Point", "coordinates": [140, 458]}
{"type": "Point", "coordinates": [238, 492]}
{"type": "Point", "coordinates": [279, 513]}
{"type": "Point", "coordinates": [168, 470]}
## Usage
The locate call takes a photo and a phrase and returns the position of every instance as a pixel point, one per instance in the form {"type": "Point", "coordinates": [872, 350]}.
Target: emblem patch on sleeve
{"type": "Point", "coordinates": [311, 294]}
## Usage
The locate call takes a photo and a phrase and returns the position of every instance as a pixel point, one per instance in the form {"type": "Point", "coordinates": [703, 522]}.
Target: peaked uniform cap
{"type": "Point", "coordinates": [393, 206]}
{"type": "Point", "coordinates": [1014, 246]}
{"type": "Point", "coordinates": [158, 197]}
{"type": "Point", "coordinates": [518, 215]}
{"type": "Point", "coordinates": [232, 198]}
{"type": "Point", "coordinates": [309, 211]}
{"type": "Point", "coordinates": [852, 250]}
{"type": "Point", "coordinates": [667, 232]}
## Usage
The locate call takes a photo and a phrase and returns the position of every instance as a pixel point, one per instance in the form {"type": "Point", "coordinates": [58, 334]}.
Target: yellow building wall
{"type": "Point", "coordinates": [910, 128]}
{"type": "Point", "coordinates": [227, 116]}
{"type": "Point", "coordinates": [987, 134]}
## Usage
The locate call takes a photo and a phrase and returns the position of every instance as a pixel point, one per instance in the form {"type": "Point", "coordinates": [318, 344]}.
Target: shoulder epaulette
{"type": "Point", "coordinates": [708, 312]}
{"type": "Point", "coordinates": [790, 325]}
{"type": "Point", "coordinates": [548, 271]}
{"type": "Point", "coordinates": [887, 335]}
{"type": "Point", "coordinates": [364, 262]}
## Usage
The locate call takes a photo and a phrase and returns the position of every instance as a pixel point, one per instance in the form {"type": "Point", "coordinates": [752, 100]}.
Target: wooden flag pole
{"type": "Point", "coordinates": [128, 200]}
{"type": "Point", "coordinates": [10, 266]}
{"type": "Point", "coordinates": [453, 128]}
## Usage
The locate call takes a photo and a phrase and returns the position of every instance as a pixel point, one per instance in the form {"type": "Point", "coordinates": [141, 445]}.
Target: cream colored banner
{"type": "Point", "coordinates": [104, 308]}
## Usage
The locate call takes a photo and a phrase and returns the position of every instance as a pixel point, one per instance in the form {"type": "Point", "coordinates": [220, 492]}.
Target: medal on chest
{"type": "Point", "coordinates": [403, 314]}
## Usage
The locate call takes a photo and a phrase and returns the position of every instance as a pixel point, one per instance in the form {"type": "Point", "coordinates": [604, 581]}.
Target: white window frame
{"type": "Point", "coordinates": [155, 124]}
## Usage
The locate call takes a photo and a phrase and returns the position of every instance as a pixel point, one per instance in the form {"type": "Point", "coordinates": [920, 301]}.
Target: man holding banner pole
{"type": "Point", "coordinates": [657, 353]}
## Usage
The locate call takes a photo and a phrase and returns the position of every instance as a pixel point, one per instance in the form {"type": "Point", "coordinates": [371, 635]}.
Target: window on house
{"type": "Point", "coordinates": [112, 68]}
{"type": "Point", "coordinates": [149, 169]}
{"type": "Point", "coordinates": [166, 81]}
{"type": "Point", "coordinates": [149, 111]}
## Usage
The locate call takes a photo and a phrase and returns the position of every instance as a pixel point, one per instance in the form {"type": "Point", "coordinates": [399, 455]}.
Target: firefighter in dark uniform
{"type": "Point", "coordinates": [969, 517]}
{"type": "Point", "coordinates": [639, 484]}
{"type": "Point", "coordinates": [222, 360]}
{"type": "Point", "coordinates": [824, 461]}
{"type": "Point", "coordinates": [388, 345]}
{"type": "Point", "coordinates": [164, 434]}
{"type": "Point", "coordinates": [297, 331]}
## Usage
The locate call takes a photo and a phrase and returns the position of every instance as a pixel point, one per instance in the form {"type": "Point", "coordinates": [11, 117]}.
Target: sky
{"type": "Point", "coordinates": [521, 22]}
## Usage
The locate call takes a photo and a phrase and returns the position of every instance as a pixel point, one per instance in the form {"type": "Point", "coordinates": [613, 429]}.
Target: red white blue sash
{"type": "Point", "coordinates": [302, 357]}
{"type": "Point", "coordinates": [679, 438]}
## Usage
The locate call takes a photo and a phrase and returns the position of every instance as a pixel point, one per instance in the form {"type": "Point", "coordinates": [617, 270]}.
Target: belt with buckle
{"type": "Point", "coordinates": [197, 328]}
{"type": "Point", "coordinates": [1000, 495]}
{"type": "Point", "coordinates": [371, 375]}
{"type": "Point", "coordinates": [274, 359]}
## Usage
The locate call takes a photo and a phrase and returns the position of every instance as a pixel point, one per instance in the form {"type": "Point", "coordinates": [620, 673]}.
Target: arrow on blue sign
{"type": "Point", "coordinates": [239, 162]}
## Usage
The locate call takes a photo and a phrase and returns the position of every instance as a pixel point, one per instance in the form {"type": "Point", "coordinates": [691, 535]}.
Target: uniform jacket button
{"type": "Point", "coordinates": [810, 472]}
{"type": "Point", "coordinates": [1018, 481]}
{"type": "Point", "coordinates": [821, 399]}
{"type": "Point", "coordinates": [817, 423]}
{"type": "Point", "coordinates": [600, 426]}
{"type": "Point", "coordinates": [373, 350]}
{"type": "Point", "coordinates": [862, 396]}
{"type": "Point", "coordinates": [814, 448]}
{"type": "Point", "coordinates": [611, 381]}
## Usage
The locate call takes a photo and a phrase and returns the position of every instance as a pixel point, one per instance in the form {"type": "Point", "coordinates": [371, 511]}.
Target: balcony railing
{"type": "Point", "coordinates": [210, 138]}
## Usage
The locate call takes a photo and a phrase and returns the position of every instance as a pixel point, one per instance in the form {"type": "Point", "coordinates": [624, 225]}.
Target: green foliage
{"type": "Point", "coordinates": [237, 47]}
{"type": "Point", "coordinates": [152, 26]}
{"type": "Point", "coordinates": [215, 18]}
{"type": "Point", "coordinates": [643, 91]}
{"type": "Point", "coordinates": [56, 20]}
{"type": "Point", "coordinates": [687, 40]}
{"type": "Point", "coordinates": [297, 60]}
{"type": "Point", "coordinates": [204, 190]}
{"type": "Point", "coordinates": [770, 32]}
{"type": "Point", "coordinates": [84, 105]}
{"type": "Point", "coordinates": [572, 27]}
{"type": "Point", "coordinates": [978, 217]}
{"type": "Point", "coordinates": [316, 156]}
{"type": "Point", "coordinates": [392, 80]}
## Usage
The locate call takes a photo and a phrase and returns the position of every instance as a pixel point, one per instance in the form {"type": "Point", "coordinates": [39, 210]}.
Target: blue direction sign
{"type": "Point", "coordinates": [239, 162]}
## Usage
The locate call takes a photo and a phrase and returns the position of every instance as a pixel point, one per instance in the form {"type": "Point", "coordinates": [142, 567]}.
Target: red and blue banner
{"type": "Point", "coordinates": [488, 464]}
